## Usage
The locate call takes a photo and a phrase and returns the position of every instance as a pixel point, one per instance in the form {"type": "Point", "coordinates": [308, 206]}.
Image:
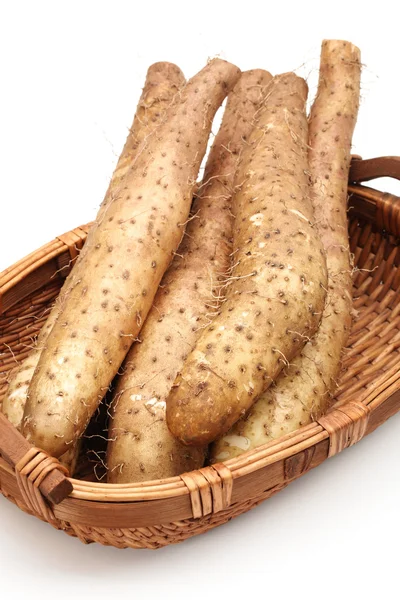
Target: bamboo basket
{"type": "Point", "coordinates": [157, 513]}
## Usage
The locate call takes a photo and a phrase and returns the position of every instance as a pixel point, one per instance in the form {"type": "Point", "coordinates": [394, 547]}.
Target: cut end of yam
{"type": "Point", "coordinates": [341, 47]}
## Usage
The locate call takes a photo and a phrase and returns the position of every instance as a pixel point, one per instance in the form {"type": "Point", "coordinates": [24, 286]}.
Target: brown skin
{"type": "Point", "coordinates": [275, 296]}
{"type": "Point", "coordinates": [163, 81]}
{"type": "Point", "coordinates": [14, 405]}
{"type": "Point", "coordinates": [125, 258]}
{"type": "Point", "coordinates": [70, 458]}
{"type": "Point", "coordinates": [14, 402]}
{"type": "Point", "coordinates": [305, 389]}
{"type": "Point", "coordinates": [141, 447]}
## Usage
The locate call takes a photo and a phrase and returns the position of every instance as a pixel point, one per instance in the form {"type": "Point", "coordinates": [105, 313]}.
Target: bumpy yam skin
{"type": "Point", "coordinates": [14, 402]}
{"type": "Point", "coordinates": [305, 389]}
{"type": "Point", "coordinates": [163, 81]}
{"type": "Point", "coordinates": [277, 289]}
{"type": "Point", "coordinates": [141, 446]}
{"type": "Point", "coordinates": [70, 457]}
{"type": "Point", "coordinates": [127, 253]}
{"type": "Point", "coordinates": [14, 405]}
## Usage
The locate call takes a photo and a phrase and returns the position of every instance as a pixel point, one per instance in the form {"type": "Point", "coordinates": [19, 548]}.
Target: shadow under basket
{"type": "Point", "coordinates": [157, 513]}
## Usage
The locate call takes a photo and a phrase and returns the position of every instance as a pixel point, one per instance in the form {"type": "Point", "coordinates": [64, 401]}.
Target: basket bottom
{"type": "Point", "coordinates": [156, 536]}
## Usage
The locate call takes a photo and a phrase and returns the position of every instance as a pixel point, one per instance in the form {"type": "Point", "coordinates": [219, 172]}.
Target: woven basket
{"type": "Point", "coordinates": [157, 513]}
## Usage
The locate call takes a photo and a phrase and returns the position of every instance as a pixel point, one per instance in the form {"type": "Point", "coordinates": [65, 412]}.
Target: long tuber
{"type": "Point", "coordinates": [121, 268]}
{"type": "Point", "coordinates": [278, 283]}
{"type": "Point", "coordinates": [305, 388]}
{"type": "Point", "coordinates": [141, 446]}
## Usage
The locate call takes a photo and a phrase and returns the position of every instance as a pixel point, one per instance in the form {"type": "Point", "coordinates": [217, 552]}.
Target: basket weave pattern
{"type": "Point", "coordinates": [154, 514]}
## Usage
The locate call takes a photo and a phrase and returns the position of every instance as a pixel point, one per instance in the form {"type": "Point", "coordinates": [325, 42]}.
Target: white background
{"type": "Point", "coordinates": [71, 74]}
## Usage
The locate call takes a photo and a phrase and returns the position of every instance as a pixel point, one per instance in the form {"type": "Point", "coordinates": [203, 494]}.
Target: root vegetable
{"type": "Point", "coordinates": [277, 288]}
{"type": "Point", "coordinates": [305, 388]}
{"type": "Point", "coordinates": [70, 457]}
{"type": "Point", "coordinates": [14, 402]}
{"type": "Point", "coordinates": [163, 81]}
{"type": "Point", "coordinates": [129, 251]}
{"type": "Point", "coordinates": [14, 405]}
{"type": "Point", "coordinates": [141, 446]}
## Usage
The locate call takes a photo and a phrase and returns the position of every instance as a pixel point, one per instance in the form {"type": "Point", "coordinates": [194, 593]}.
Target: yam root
{"type": "Point", "coordinates": [14, 402]}
{"type": "Point", "coordinates": [276, 292]}
{"type": "Point", "coordinates": [127, 254]}
{"type": "Point", "coordinates": [141, 446]}
{"type": "Point", "coordinates": [14, 405]}
{"type": "Point", "coordinates": [163, 81]}
{"type": "Point", "coordinates": [304, 390]}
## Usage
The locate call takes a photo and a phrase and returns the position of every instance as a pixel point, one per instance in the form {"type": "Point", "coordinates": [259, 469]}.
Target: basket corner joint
{"type": "Point", "coordinates": [209, 488]}
{"type": "Point", "coordinates": [345, 425]}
